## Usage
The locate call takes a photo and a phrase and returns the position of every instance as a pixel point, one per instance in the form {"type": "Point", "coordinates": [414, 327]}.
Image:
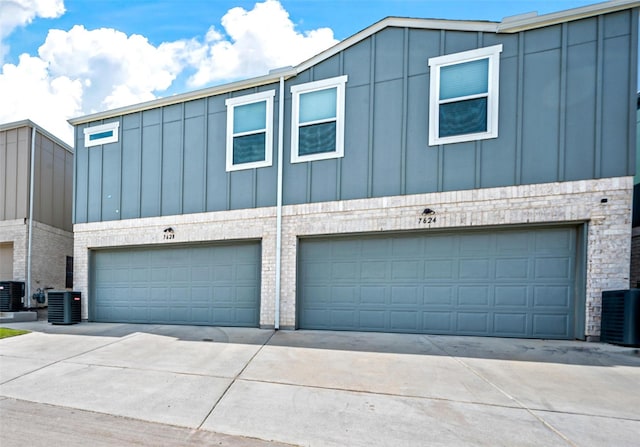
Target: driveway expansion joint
{"type": "Point", "coordinates": [234, 379]}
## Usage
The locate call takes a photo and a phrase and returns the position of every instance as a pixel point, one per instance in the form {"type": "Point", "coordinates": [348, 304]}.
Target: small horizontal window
{"type": "Point", "coordinates": [102, 134]}
{"type": "Point", "coordinates": [463, 103]}
{"type": "Point", "coordinates": [250, 131]}
{"type": "Point", "coordinates": [317, 130]}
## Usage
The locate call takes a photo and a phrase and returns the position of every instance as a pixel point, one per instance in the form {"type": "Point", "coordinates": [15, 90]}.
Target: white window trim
{"type": "Point", "coordinates": [324, 84]}
{"type": "Point", "coordinates": [88, 131]}
{"type": "Point", "coordinates": [435, 63]}
{"type": "Point", "coordinates": [231, 103]}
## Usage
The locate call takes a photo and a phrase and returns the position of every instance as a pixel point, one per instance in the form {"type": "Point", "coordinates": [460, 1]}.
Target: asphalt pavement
{"type": "Point", "coordinates": [120, 384]}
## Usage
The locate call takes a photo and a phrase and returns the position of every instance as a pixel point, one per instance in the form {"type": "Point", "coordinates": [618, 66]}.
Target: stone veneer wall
{"type": "Point", "coordinates": [16, 231]}
{"type": "Point", "coordinates": [50, 247]}
{"type": "Point", "coordinates": [608, 231]}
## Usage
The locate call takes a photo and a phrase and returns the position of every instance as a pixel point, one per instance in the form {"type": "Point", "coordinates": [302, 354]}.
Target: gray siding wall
{"type": "Point", "coordinates": [14, 173]}
{"type": "Point", "coordinates": [567, 95]}
{"type": "Point", "coordinates": [53, 185]}
{"type": "Point", "coordinates": [53, 179]}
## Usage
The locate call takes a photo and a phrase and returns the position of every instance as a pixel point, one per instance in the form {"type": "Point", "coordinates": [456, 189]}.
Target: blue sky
{"type": "Point", "coordinates": [65, 58]}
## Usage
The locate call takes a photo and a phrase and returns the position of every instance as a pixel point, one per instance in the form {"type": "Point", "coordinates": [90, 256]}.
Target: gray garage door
{"type": "Point", "coordinates": [202, 285]}
{"type": "Point", "coordinates": [516, 283]}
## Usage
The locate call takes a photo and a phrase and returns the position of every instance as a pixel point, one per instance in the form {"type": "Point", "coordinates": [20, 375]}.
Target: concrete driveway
{"type": "Point", "coordinates": [312, 388]}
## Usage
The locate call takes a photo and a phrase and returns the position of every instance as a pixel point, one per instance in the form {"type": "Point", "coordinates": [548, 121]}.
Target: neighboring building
{"type": "Point", "coordinates": [427, 176]}
{"type": "Point", "coordinates": [635, 241]}
{"type": "Point", "coordinates": [47, 256]}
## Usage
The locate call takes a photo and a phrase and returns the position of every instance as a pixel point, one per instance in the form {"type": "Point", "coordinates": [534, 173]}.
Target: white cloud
{"type": "Point", "coordinates": [115, 69]}
{"type": "Point", "coordinates": [259, 40]}
{"type": "Point", "coordinates": [16, 13]}
{"type": "Point", "coordinates": [34, 94]}
{"type": "Point", "coordinates": [82, 71]}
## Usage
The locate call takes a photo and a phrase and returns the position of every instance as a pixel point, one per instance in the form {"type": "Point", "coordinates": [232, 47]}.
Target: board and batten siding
{"type": "Point", "coordinates": [53, 177]}
{"type": "Point", "coordinates": [567, 93]}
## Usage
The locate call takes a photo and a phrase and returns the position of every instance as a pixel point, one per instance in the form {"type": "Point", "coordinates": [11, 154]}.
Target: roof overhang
{"type": "Point", "coordinates": [511, 24]}
{"type": "Point", "coordinates": [39, 129]}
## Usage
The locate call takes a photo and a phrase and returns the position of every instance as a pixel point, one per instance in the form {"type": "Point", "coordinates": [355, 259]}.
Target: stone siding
{"type": "Point", "coordinates": [50, 247]}
{"type": "Point", "coordinates": [604, 206]}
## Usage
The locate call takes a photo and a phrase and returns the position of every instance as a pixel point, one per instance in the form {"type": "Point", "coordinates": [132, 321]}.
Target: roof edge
{"type": "Point", "coordinates": [40, 129]}
{"type": "Point", "coordinates": [527, 21]}
{"type": "Point", "coordinates": [267, 79]}
{"type": "Point", "coordinates": [511, 24]}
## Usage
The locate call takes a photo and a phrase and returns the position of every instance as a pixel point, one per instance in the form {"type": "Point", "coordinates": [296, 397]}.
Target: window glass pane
{"type": "Point", "coordinates": [318, 105]}
{"type": "Point", "coordinates": [250, 117]}
{"type": "Point", "coordinates": [468, 78]}
{"type": "Point", "coordinates": [100, 135]}
{"type": "Point", "coordinates": [249, 148]}
{"type": "Point", "coordinates": [462, 117]}
{"type": "Point", "coordinates": [317, 138]}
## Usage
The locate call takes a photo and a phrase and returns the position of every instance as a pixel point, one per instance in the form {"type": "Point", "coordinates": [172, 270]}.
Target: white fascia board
{"type": "Point", "coordinates": [527, 21]}
{"type": "Point", "coordinates": [39, 129]}
{"type": "Point", "coordinates": [271, 78]}
{"type": "Point", "coordinates": [397, 22]}
{"type": "Point", "coordinates": [508, 25]}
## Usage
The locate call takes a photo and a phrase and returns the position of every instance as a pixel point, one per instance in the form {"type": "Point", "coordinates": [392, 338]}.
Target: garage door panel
{"type": "Point", "coordinates": [475, 282]}
{"type": "Point", "coordinates": [439, 246]}
{"type": "Point", "coordinates": [247, 272]}
{"type": "Point", "coordinates": [372, 319]}
{"type": "Point", "coordinates": [512, 242]}
{"type": "Point", "coordinates": [376, 270]}
{"type": "Point", "coordinates": [406, 248]}
{"type": "Point", "coordinates": [403, 295]}
{"type": "Point", "coordinates": [550, 325]}
{"type": "Point", "coordinates": [551, 296]}
{"type": "Point", "coordinates": [475, 269]}
{"type": "Point", "coordinates": [437, 322]}
{"type": "Point", "coordinates": [378, 250]}
{"type": "Point", "coordinates": [550, 268]}
{"type": "Point", "coordinates": [406, 270]}
{"type": "Point", "coordinates": [404, 321]}
{"type": "Point", "coordinates": [552, 240]}
{"type": "Point", "coordinates": [474, 244]}
{"type": "Point", "coordinates": [342, 296]}
{"type": "Point", "coordinates": [512, 268]}
{"type": "Point", "coordinates": [473, 295]}
{"type": "Point", "coordinates": [473, 323]}
{"type": "Point", "coordinates": [345, 271]}
{"type": "Point", "coordinates": [510, 324]}
{"type": "Point", "coordinates": [372, 295]}
{"type": "Point", "coordinates": [439, 269]}
{"type": "Point", "coordinates": [438, 295]}
{"type": "Point", "coordinates": [178, 285]}
{"type": "Point", "coordinates": [508, 296]}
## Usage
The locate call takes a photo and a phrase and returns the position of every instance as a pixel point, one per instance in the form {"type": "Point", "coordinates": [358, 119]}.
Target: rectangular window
{"type": "Point", "coordinates": [463, 103]}
{"type": "Point", "coordinates": [102, 134]}
{"type": "Point", "coordinates": [250, 131]}
{"type": "Point", "coordinates": [317, 129]}
{"type": "Point", "coordinates": [68, 280]}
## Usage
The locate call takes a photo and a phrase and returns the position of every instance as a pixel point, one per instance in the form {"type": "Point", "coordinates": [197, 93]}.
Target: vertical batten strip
{"type": "Point", "coordinates": [599, 101]}
{"type": "Point", "coordinates": [519, 108]}
{"type": "Point", "coordinates": [405, 113]}
{"type": "Point", "coordinates": [440, 186]}
{"type": "Point", "coordinates": [562, 116]}
{"type": "Point", "coordinates": [205, 147]}
{"type": "Point", "coordinates": [478, 143]}
{"type": "Point", "coordinates": [372, 82]}
{"type": "Point", "coordinates": [338, 195]}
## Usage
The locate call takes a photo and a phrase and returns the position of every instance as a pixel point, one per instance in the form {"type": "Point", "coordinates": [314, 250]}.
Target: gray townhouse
{"type": "Point", "coordinates": [421, 176]}
{"type": "Point", "coordinates": [36, 191]}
